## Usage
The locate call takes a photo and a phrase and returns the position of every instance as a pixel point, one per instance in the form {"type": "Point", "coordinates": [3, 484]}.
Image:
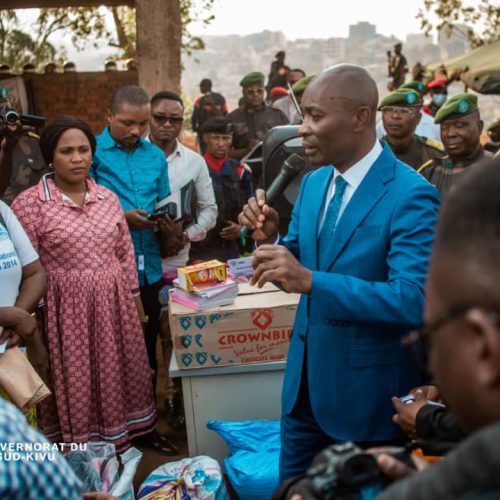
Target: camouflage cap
{"type": "Point", "coordinates": [252, 78]}
{"type": "Point", "coordinates": [459, 105]}
{"type": "Point", "coordinates": [401, 97]}
{"type": "Point", "coordinates": [414, 85]}
{"type": "Point", "coordinates": [494, 125]}
{"type": "Point", "coordinates": [299, 87]}
{"type": "Point", "coordinates": [217, 125]}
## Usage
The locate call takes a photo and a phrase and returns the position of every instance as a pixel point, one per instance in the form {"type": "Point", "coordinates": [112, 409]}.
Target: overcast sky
{"type": "Point", "coordinates": [310, 19]}
{"type": "Point", "coordinates": [314, 18]}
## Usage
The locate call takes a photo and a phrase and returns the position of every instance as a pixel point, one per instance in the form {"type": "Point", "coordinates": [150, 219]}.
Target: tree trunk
{"type": "Point", "coordinates": [159, 45]}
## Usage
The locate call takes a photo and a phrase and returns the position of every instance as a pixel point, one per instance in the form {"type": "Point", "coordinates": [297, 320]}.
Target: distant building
{"type": "Point", "coordinates": [334, 51]}
{"type": "Point", "coordinates": [417, 40]}
{"type": "Point", "coordinates": [453, 42]}
{"type": "Point", "coordinates": [421, 48]}
{"type": "Point", "coordinates": [362, 32]}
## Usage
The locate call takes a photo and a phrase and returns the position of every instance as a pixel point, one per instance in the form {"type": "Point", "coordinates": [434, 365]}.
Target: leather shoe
{"type": "Point", "coordinates": [175, 414]}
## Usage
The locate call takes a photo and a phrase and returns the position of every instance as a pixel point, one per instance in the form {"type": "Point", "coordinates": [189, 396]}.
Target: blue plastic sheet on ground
{"type": "Point", "coordinates": [253, 464]}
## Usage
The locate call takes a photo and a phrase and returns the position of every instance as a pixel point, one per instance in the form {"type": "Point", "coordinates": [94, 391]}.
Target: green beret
{"type": "Point", "coordinates": [401, 97]}
{"type": "Point", "coordinates": [418, 86]}
{"type": "Point", "coordinates": [494, 125]}
{"type": "Point", "coordinates": [299, 87]}
{"type": "Point", "coordinates": [251, 78]}
{"type": "Point", "coordinates": [459, 105]}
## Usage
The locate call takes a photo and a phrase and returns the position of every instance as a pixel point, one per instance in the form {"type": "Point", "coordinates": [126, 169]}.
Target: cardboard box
{"type": "Point", "coordinates": [255, 329]}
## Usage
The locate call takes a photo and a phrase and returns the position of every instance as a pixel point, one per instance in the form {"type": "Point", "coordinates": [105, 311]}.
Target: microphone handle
{"type": "Point", "coordinates": [276, 188]}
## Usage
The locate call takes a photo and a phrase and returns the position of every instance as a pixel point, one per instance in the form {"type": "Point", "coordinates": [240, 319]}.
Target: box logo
{"type": "Point", "coordinates": [262, 318]}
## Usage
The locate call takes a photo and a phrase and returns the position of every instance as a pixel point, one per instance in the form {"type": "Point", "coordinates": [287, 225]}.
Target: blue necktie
{"type": "Point", "coordinates": [332, 214]}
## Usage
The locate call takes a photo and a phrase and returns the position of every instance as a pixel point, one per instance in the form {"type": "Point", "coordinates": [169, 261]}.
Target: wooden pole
{"type": "Point", "coordinates": [159, 45]}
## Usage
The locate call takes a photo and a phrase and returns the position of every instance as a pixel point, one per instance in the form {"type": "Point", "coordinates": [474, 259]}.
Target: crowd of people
{"type": "Point", "coordinates": [86, 265]}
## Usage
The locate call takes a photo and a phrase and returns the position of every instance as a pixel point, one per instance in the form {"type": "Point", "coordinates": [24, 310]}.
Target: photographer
{"type": "Point", "coordinates": [21, 161]}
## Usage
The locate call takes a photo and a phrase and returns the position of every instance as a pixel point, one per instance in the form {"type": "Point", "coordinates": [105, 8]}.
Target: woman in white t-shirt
{"type": "Point", "coordinates": [22, 284]}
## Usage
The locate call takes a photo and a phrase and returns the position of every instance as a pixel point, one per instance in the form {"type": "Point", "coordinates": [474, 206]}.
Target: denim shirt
{"type": "Point", "coordinates": [140, 179]}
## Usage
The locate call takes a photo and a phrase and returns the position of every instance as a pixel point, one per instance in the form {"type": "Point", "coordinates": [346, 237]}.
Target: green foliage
{"type": "Point", "coordinates": [194, 11]}
{"type": "Point", "coordinates": [17, 47]}
{"type": "Point", "coordinates": [452, 13]}
{"type": "Point", "coordinates": [191, 11]}
{"type": "Point", "coordinates": [86, 25]}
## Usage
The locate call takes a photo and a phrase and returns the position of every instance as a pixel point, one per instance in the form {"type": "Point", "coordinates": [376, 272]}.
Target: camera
{"type": "Point", "coordinates": [342, 470]}
{"type": "Point", "coordinates": [10, 116]}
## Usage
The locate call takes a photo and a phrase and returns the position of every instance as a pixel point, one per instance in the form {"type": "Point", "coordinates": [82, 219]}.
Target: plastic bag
{"type": "Point", "coordinates": [198, 478]}
{"type": "Point", "coordinates": [100, 469]}
{"type": "Point", "coordinates": [253, 464]}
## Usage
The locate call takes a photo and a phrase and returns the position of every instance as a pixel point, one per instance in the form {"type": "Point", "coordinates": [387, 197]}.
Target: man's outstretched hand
{"type": "Point", "coordinates": [260, 218]}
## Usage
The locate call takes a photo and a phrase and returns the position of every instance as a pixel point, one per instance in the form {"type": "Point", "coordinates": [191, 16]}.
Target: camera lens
{"type": "Point", "coordinates": [11, 117]}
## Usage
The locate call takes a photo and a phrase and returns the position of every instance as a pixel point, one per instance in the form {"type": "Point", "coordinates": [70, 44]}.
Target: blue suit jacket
{"type": "Point", "coordinates": [367, 295]}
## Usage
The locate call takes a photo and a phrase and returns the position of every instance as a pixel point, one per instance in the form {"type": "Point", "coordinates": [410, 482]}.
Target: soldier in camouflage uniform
{"type": "Point", "coordinates": [461, 128]}
{"type": "Point", "coordinates": [400, 117]}
{"type": "Point", "coordinates": [21, 161]}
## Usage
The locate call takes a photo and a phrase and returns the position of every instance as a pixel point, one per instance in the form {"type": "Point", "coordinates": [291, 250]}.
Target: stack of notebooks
{"type": "Point", "coordinates": [207, 295]}
{"type": "Point", "coordinates": [203, 286]}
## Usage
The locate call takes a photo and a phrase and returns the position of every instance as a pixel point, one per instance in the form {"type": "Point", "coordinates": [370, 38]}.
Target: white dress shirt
{"type": "Point", "coordinates": [353, 176]}
{"type": "Point", "coordinates": [185, 165]}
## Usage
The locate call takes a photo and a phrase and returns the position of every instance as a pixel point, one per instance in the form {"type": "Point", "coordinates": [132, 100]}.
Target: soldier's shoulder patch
{"type": "Point", "coordinates": [427, 164]}
{"type": "Point", "coordinates": [430, 142]}
{"type": "Point", "coordinates": [434, 144]}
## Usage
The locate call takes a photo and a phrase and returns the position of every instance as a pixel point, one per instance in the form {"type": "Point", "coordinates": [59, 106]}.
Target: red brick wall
{"type": "Point", "coordinates": [85, 95]}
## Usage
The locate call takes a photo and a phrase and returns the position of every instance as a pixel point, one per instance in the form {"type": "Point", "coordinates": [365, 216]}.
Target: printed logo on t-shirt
{"type": "Point", "coordinates": [3, 233]}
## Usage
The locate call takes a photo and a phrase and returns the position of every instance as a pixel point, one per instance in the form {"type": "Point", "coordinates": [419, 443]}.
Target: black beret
{"type": "Point", "coordinates": [217, 125]}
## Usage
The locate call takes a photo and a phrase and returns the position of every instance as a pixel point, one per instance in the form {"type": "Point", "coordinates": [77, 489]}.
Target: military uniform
{"type": "Point", "coordinates": [250, 124]}
{"type": "Point", "coordinates": [253, 124]}
{"type": "Point", "coordinates": [421, 152]}
{"type": "Point", "coordinates": [28, 166]}
{"type": "Point", "coordinates": [444, 173]}
{"type": "Point", "coordinates": [421, 149]}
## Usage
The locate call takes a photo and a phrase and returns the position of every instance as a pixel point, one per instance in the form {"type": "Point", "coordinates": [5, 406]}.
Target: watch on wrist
{"type": "Point", "coordinates": [145, 319]}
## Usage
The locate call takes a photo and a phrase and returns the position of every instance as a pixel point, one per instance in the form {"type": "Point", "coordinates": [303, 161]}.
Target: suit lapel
{"type": "Point", "coordinates": [366, 196]}
{"type": "Point", "coordinates": [316, 193]}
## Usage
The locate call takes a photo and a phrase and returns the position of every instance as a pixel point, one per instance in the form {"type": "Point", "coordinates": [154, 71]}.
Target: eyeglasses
{"type": "Point", "coordinates": [398, 111]}
{"type": "Point", "coordinates": [161, 119]}
{"type": "Point", "coordinates": [417, 341]}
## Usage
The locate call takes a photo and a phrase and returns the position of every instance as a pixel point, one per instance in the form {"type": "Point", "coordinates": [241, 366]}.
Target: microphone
{"type": "Point", "coordinates": [290, 169]}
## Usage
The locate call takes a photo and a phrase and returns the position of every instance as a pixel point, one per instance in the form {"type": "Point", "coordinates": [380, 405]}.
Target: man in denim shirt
{"type": "Point", "coordinates": [135, 170]}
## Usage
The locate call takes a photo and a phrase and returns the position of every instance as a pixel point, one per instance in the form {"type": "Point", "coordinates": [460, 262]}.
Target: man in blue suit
{"type": "Point", "coordinates": [357, 250]}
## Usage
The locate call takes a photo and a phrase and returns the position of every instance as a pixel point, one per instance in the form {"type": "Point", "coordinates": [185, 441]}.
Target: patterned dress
{"type": "Point", "coordinates": [100, 371]}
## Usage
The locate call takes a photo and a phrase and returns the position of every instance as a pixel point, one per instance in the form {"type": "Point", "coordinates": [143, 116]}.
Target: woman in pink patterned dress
{"type": "Point", "coordinates": [100, 371]}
